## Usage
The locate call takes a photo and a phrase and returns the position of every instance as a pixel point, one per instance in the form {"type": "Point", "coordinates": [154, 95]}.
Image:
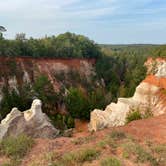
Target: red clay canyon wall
{"type": "Point", "coordinates": [15, 71]}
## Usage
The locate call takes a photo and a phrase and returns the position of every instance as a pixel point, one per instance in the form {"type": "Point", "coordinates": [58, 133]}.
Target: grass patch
{"type": "Point", "coordinates": [51, 157]}
{"type": "Point", "coordinates": [142, 155]}
{"type": "Point", "coordinates": [83, 140]}
{"type": "Point", "coordinates": [12, 162]}
{"type": "Point", "coordinates": [117, 135]}
{"type": "Point", "coordinates": [126, 154]}
{"type": "Point", "coordinates": [133, 115]}
{"type": "Point", "coordinates": [16, 147]}
{"type": "Point", "coordinates": [77, 157]}
{"type": "Point", "coordinates": [102, 144]}
{"type": "Point", "coordinates": [110, 161]}
{"type": "Point", "coordinates": [112, 139]}
{"type": "Point", "coordinates": [160, 150]}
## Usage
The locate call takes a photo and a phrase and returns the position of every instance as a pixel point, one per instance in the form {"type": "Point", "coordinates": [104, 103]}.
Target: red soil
{"type": "Point", "coordinates": [159, 59]}
{"type": "Point", "coordinates": [160, 82]}
{"type": "Point", "coordinates": [152, 129]}
{"type": "Point", "coordinates": [74, 62]}
{"type": "Point", "coordinates": [157, 81]}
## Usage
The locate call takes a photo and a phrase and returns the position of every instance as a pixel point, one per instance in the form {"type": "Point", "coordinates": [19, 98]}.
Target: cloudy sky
{"type": "Point", "coordinates": [105, 21]}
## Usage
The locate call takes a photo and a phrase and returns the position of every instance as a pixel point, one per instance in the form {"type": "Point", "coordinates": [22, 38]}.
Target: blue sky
{"type": "Point", "coordinates": [105, 21]}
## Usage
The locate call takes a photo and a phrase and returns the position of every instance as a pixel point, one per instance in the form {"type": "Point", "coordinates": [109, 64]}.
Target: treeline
{"type": "Point", "coordinates": [68, 45]}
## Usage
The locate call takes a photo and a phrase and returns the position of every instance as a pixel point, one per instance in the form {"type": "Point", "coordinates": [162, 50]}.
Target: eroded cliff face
{"type": "Point", "coordinates": [149, 95]}
{"type": "Point", "coordinates": [15, 71]}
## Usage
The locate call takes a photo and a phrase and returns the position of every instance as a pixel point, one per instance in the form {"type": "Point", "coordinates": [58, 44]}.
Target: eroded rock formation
{"type": "Point", "coordinates": [32, 122]}
{"type": "Point", "coordinates": [149, 95]}
{"type": "Point", "coordinates": [16, 71]}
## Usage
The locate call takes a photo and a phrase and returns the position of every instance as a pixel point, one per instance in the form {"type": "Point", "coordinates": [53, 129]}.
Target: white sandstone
{"type": "Point", "coordinates": [32, 122]}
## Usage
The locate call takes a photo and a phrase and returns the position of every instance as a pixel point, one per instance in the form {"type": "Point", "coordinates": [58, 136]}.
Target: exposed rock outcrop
{"type": "Point", "coordinates": [32, 122]}
{"type": "Point", "coordinates": [16, 71]}
{"type": "Point", "coordinates": [149, 95]}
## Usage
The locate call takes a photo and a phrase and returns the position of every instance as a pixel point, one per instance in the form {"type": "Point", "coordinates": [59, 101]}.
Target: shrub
{"type": "Point", "coordinates": [134, 115]}
{"type": "Point", "coordinates": [62, 122]}
{"type": "Point", "coordinates": [77, 104]}
{"type": "Point", "coordinates": [110, 161]}
{"type": "Point", "coordinates": [16, 147]}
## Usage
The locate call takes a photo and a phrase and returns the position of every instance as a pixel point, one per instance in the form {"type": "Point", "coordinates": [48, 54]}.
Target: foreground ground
{"type": "Point", "coordinates": [140, 143]}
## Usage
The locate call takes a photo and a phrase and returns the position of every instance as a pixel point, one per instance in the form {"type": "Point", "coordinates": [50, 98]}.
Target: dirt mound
{"type": "Point", "coordinates": [152, 129]}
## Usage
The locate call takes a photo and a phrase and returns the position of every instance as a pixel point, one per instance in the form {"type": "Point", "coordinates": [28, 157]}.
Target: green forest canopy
{"type": "Point", "coordinates": [65, 45]}
{"type": "Point", "coordinates": [70, 45]}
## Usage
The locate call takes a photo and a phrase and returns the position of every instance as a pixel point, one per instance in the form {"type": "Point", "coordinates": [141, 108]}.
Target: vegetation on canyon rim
{"type": "Point", "coordinates": [119, 69]}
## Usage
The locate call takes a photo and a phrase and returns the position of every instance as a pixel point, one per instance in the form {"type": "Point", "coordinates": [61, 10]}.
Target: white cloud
{"type": "Point", "coordinates": [40, 17]}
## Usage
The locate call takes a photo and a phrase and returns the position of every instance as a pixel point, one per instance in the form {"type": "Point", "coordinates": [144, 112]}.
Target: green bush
{"type": "Point", "coordinates": [110, 161]}
{"type": "Point", "coordinates": [65, 45]}
{"type": "Point", "coordinates": [77, 104]}
{"type": "Point", "coordinates": [16, 147]}
{"type": "Point", "coordinates": [80, 103]}
{"type": "Point", "coordinates": [62, 122]}
{"type": "Point", "coordinates": [134, 115]}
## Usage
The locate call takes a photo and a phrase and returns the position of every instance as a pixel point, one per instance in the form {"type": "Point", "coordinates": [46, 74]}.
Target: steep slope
{"type": "Point", "coordinates": [148, 129]}
{"type": "Point", "coordinates": [15, 71]}
{"type": "Point", "coordinates": [149, 95]}
{"type": "Point", "coordinates": [49, 149]}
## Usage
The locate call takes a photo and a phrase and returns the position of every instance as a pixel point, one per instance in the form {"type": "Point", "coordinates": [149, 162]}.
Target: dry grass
{"type": "Point", "coordinates": [77, 157]}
